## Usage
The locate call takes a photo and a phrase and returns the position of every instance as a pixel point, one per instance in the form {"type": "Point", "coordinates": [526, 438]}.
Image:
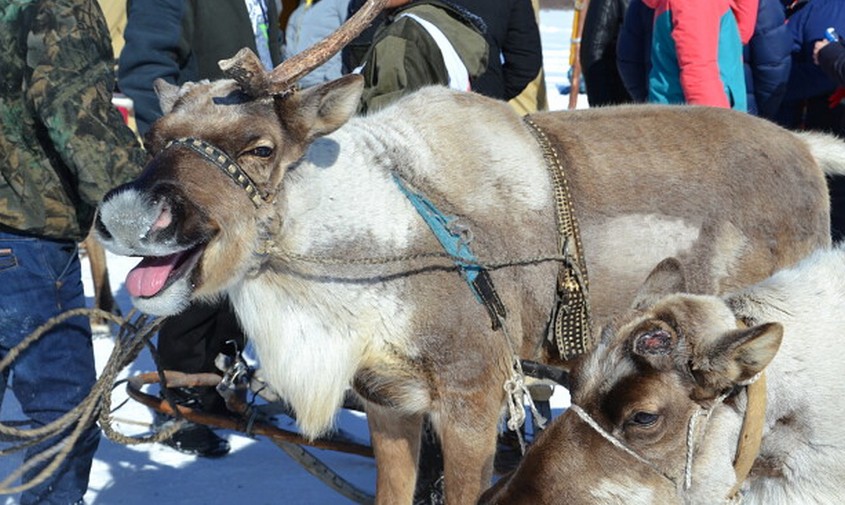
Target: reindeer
{"type": "Point", "coordinates": [658, 406]}
{"type": "Point", "coordinates": [298, 210]}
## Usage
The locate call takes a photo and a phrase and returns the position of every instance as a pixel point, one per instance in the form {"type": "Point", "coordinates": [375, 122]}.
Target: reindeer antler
{"type": "Point", "coordinates": [246, 68]}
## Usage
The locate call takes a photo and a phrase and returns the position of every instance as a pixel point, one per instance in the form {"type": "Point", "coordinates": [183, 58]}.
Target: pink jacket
{"type": "Point", "coordinates": [696, 31]}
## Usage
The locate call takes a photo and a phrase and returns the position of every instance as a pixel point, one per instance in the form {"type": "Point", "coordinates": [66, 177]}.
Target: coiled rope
{"type": "Point", "coordinates": [134, 332]}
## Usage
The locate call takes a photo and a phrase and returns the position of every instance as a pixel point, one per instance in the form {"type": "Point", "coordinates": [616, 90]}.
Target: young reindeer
{"type": "Point", "coordinates": [659, 404]}
{"type": "Point", "coordinates": [292, 207]}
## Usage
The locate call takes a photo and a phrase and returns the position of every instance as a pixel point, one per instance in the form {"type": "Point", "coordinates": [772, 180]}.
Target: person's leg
{"type": "Point", "coordinates": [836, 185]}
{"type": "Point", "coordinates": [182, 338]}
{"type": "Point", "coordinates": [190, 342]}
{"type": "Point", "coordinates": [429, 488]}
{"type": "Point", "coordinates": [820, 116]}
{"type": "Point", "coordinates": [38, 280]}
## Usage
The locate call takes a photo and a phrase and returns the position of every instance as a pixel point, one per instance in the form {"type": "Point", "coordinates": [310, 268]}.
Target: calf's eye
{"type": "Point", "coordinates": [643, 419]}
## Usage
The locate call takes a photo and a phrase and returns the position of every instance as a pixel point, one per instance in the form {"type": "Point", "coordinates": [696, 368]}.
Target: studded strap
{"type": "Point", "coordinates": [222, 161]}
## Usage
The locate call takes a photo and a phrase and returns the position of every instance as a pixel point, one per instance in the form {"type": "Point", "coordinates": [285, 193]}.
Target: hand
{"type": "Point", "coordinates": [818, 47]}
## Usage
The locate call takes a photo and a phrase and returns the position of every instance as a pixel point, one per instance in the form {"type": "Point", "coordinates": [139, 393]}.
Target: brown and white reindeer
{"type": "Point", "coordinates": [289, 204]}
{"type": "Point", "coordinates": [659, 404]}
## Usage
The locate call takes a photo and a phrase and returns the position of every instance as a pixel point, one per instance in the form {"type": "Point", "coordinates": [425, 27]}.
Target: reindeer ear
{"type": "Point", "coordinates": [322, 109]}
{"type": "Point", "coordinates": [167, 94]}
{"type": "Point", "coordinates": [737, 356]}
{"type": "Point", "coordinates": [666, 278]}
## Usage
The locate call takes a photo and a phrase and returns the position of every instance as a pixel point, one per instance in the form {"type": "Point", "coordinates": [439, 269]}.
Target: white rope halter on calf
{"type": "Point", "coordinates": [693, 428]}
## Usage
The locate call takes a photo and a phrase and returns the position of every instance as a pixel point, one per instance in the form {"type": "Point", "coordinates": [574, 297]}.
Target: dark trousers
{"type": "Point", "coordinates": [816, 114]}
{"type": "Point", "coordinates": [189, 342]}
{"type": "Point", "coordinates": [836, 186]}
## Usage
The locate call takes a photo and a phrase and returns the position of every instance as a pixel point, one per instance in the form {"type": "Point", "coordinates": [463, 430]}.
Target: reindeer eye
{"type": "Point", "coordinates": [261, 152]}
{"type": "Point", "coordinates": [643, 419]}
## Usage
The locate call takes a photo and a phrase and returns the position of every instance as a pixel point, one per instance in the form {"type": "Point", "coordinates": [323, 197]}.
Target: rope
{"type": "Point", "coordinates": [704, 413]}
{"type": "Point", "coordinates": [692, 431]}
{"type": "Point", "coordinates": [616, 442]}
{"type": "Point", "coordinates": [517, 392]}
{"type": "Point", "coordinates": [384, 260]}
{"type": "Point", "coordinates": [131, 337]}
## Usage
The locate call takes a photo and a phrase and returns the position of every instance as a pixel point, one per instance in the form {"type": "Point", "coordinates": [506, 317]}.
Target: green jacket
{"type": "Point", "coordinates": [404, 57]}
{"type": "Point", "coordinates": [62, 143]}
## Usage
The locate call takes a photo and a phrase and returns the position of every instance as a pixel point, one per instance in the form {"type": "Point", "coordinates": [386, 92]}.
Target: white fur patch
{"type": "Point", "coordinates": [639, 251]}
{"type": "Point", "coordinates": [517, 174]}
{"type": "Point", "coordinates": [170, 301]}
{"type": "Point", "coordinates": [622, 250]}
{"type": "Point", "coordinates": [827, 149]}
{"type": "Point", "coordinates": [311, 339]}
{"type": "Point", "coordinates": [354, 199]}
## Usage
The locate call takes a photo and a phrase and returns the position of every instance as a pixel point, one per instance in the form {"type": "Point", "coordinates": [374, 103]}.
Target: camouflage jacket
{"type": "Point", "coordinates": [62, 143]}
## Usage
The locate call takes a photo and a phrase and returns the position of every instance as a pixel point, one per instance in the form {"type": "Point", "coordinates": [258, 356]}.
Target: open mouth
{"type": "Point", "coordinates": [155, 273]}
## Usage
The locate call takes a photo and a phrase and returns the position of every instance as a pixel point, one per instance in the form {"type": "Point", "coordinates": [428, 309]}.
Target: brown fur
{"type": "Point", "coordinates": [677, 354]}
{"type": "Point", "coordinates": [617, 157]}
{"type": "Point", "coordinates": [614, 384]}
{"type": "Point", "coordinates": [733, 197]}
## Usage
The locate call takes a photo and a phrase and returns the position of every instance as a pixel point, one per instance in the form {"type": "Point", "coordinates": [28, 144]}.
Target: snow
{"type": "Point", "coordinates": [256, 471]}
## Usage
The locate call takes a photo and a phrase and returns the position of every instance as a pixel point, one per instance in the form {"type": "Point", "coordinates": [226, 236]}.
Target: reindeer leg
{"type": "Point", "coordinates": [103, 297]}
{"type": "Point", "coordinates": [468, 438]}
{"type": "Point", "coordinates": [396, 445]}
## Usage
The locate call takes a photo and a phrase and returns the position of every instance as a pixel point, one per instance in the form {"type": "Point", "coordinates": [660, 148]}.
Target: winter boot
{"type": "Point", "coordinates": [194, 439]}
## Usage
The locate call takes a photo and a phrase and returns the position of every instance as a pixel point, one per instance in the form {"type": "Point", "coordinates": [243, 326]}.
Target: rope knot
{"type": "Point", "coordinates": [517, 392]}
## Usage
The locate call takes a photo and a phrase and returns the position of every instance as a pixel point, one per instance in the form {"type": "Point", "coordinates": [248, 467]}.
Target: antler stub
{"type": "Point", "coordinates": [246, 68]}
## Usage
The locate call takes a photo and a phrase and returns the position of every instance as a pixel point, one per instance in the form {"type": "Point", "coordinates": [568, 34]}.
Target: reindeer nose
{"type": "Point", "coordinates": [164, 219]}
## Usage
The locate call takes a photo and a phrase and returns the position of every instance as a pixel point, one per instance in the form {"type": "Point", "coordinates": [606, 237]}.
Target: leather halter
{"type": "Point", "coordinates": [751, 435]}
{"type": "Point", "coordinates": [224, 162]}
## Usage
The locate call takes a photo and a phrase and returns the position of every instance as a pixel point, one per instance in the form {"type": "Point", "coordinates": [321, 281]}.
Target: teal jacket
{"type": "Point", "coordinates": [62, 143]}
{"type": "Point", "coordinates": [696, 51]}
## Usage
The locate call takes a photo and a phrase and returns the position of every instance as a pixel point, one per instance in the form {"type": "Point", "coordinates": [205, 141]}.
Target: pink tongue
{"type": "Point", "coordinates": [149, 276]}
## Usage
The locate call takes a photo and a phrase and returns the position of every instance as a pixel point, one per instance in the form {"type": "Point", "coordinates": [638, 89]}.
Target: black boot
{"type": "Point", "coordinates": [192, 438]}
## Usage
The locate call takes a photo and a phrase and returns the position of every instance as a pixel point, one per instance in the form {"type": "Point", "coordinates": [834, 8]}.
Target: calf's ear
{"type": "Point", "coordinates": [665, 279]}
{"type": "Point", "coordinates": [321, 109]}
{"type": "Point", "coordinates": [736, 358]}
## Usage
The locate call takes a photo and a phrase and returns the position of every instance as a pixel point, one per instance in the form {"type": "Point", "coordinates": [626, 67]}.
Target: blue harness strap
{"type": "Point", "coordinates": [456, 246]}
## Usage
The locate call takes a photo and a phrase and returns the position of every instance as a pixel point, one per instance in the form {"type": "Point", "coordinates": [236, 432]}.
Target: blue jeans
{"type": "Point", "coordinates": [40, 279]}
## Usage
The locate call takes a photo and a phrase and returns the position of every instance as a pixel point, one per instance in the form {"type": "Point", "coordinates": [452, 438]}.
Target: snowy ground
{"type": "Point", "coordinates": [256, 471]}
